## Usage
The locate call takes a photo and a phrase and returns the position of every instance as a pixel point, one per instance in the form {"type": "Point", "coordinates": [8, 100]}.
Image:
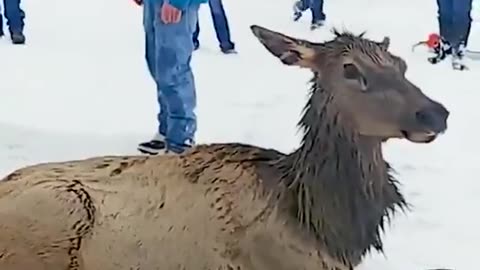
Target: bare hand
{"type": "Point", "coordinates": [170, 14]}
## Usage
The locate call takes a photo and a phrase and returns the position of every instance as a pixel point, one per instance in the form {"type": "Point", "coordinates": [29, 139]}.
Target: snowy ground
{"type": "Point", "coordinates": [80, 88]}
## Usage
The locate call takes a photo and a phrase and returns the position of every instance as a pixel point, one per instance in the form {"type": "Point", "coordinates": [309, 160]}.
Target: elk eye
{"type": "Point", "coordinates": [351, 72]}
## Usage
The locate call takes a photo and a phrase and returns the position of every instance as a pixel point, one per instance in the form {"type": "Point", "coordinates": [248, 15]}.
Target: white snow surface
{"type": "Point", "coordinates": [80, 88]}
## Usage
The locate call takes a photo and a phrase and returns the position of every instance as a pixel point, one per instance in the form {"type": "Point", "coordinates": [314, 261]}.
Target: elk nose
{"type": "Point", "coordinates": [433, 118]}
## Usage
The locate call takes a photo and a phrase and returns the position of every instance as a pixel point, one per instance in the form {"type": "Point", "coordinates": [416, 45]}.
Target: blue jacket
{"type": "Point", "coordinates": [183, 4]}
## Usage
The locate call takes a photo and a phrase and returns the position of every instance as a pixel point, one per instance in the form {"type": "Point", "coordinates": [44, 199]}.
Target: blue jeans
{"type": "Point", "coordinates": [220, 22]}
{"type": "Point", "coordinates": [316, 7]}
{"type": "Point", "coordinates": [454, 20]}
{"type": "Point", "coordinates": [168, 52]}
{"type": "Point", "coordinates": [14, 14]}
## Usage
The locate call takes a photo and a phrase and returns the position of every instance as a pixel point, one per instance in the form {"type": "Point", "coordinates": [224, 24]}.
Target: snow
{"type": "Point", "coordinates": [80, 88]}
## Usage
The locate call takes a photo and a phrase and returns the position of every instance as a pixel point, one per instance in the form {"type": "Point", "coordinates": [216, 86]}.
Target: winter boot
{"type": "Point", "coordinates": [441, 51]}
{"type": "Point", "coordinates": [228, 48]}
{"type": "Point", "coordinates": [457, 57]}
{"type": "Point", "coordinates": [297, 11]}
{"type": "Point", "coordinates": [17, 37]}
{"type": "Point", "coordinates": [158, 145]}
{"type": "Point", "coordinates": [229, 51]}
{"type": "Point", "coordinates": [155, 146]}
{"type": "Point", "coordinates": [317, 24]}
{"type": "Point", "coordinates": [297, 15]}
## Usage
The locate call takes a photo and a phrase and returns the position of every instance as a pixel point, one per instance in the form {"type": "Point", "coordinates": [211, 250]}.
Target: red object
{"type": "Point", "coordinates": [433, 40]}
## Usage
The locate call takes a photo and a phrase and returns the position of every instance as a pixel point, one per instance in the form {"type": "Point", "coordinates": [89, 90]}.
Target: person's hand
{"type": "Point", "coordinates": [138, 2]}
{"type": "Point", "coordinates": [170, 14]}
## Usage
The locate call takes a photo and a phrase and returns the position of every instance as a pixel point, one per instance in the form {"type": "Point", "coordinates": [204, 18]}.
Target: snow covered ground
{"type": "Point", "coordinates": [80, 88]}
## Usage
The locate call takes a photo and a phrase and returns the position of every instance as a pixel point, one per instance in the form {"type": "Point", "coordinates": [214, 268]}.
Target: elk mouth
{"type": "Point", "coordinates": [420, 137]}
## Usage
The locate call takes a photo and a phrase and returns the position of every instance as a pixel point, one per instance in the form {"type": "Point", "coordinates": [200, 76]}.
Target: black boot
{"type": "Point", "coordinates": [317, 24]}
{"type": "Point", "coordinates": [229, 48]}
{"type": "Point", "coordinates": [440, 52]}
{"type": "Point", "coordinates": [297, 10]}
{"type": "Point", "coordinates": [17, 37]}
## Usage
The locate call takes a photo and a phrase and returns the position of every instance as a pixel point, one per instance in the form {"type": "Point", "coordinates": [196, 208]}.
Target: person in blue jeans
{"type": "Point", "coordinates": [220, 22]}
{"type": "Point", "coordinates": [169, 27]}
{"type": "Point", "coordinates": [454, 23]}
{"type": "Point", "coordinates": [315, 6]}
{"type": "Point", "coordinates": [15, 20]}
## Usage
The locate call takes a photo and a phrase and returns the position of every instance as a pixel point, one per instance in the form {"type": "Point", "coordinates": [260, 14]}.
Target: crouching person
{"type": "Point", "coordinates": [169, 26]}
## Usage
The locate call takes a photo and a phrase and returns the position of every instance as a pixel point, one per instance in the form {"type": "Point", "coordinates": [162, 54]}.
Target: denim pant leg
{"type": "Point", "coordinates": [150, 53]}
{"type": "Point", "coordinates": [445, 19]}
{"type": "Point", "coordinates": [220, 22]}
{"type": "Point", "coordinates": [462, 21]}
{"type": "Point", "coordinates": [14, 14]}
{"type": "Point", "coordinates": [316, 6]}
{"type": "Point", "coordinates": [174, 76]}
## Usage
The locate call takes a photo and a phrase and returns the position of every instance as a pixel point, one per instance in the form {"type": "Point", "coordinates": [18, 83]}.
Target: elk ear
{"type": "Point", "coordinates": [385, 44]}
{"type": "Point", "coordinates": [289, 50]}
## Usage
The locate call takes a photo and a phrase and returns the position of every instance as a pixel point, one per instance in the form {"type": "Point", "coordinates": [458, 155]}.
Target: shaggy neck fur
{"type": "Point", "coordinates": [340, 184]}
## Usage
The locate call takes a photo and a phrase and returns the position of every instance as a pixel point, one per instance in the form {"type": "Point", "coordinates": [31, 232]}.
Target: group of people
{"type": "Point", "coordinates": [175, 82]}
{"type": "Point", "coordinates": [171, 35]}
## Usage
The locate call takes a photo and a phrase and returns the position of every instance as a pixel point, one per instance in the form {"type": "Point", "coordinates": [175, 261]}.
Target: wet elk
{"type": "Point", "coordinates": [235, 206]}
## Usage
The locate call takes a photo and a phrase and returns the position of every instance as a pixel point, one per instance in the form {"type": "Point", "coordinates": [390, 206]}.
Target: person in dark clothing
{"type": "Point", "coordinates": [220, 22]}
{"type": "Point", "coordinates": [454, 23]}
{"type": "Point", "coordinates": [15, 20]}
{"type": "Point", "coordinates": [315, 6]}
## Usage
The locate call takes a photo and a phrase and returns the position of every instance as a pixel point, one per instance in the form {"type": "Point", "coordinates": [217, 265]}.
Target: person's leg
{"type": "Point", "coordinates": [461, 28]}
{"type": "Point", "coordinates": [220, 22]}
{"type": "Point", "coordinates": [316, 7]}
{"type": "Point", "coordinates": [302, 5]}
{"type": "Point", "coordinates": [157, 143]}
{"type": "Point", "coordinates": [174, 76]}
{"type": "Point", "coordinates": [462, 21]}
{"type": "Point", "coordinates": [15, 20]}
{"type": "Point", "coordinates": [299, 7]}
{"type": "Point", "coordinates": [445, 19]}
{"type": "Point", "coordinates": [445, 26]}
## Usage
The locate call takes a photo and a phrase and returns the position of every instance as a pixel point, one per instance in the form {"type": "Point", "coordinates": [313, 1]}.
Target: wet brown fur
{"type": "Point", "coordinates": [218, 206]}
